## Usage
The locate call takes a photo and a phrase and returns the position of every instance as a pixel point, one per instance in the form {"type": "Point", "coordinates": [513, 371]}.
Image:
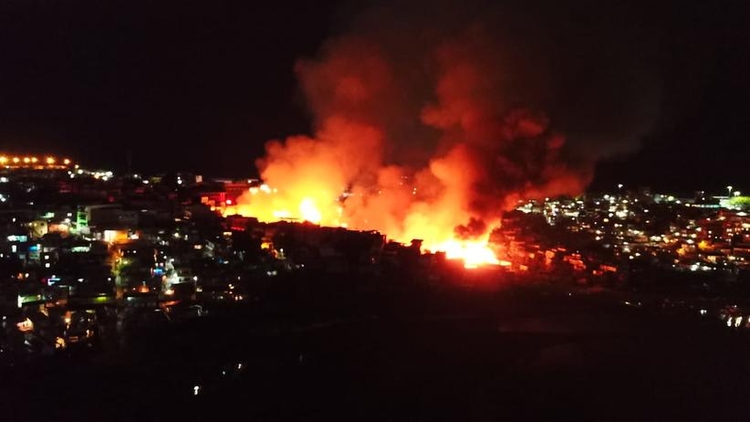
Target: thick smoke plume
{"type": "Point", "coordinates": [430, 120]}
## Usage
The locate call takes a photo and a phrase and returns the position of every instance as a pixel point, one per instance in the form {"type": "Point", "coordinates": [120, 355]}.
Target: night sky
{"type": "Point", "coordinates": [201, 86]}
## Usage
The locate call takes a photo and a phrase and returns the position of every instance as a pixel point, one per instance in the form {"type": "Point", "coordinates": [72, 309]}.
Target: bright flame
{"type": "Point", "coordinates": [432, 225]}
{"type": "Point", "coordinates": [309, 211]}
{"type": "Point", "coordinates": [473, 253]}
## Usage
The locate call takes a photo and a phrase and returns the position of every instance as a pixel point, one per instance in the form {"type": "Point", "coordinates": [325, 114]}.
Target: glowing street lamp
{"type": "Point", "coordinates": [729, 189]}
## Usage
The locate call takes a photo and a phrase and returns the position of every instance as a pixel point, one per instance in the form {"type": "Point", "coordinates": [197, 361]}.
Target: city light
{"type": "Point", "coordinates": [25, 326]}
{"type": "Point", "coordinates": [35, 162]}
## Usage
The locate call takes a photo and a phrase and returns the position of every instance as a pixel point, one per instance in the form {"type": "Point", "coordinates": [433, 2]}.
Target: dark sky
{"type": "Point", "coordinates": [200, 86]}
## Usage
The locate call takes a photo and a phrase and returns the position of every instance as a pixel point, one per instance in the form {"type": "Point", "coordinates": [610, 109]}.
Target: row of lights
{"type": "Point", "coordinates": [31, 160]}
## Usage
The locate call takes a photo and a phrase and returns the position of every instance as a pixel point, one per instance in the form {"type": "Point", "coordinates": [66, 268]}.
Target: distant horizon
{"type": "Point", "coordinates": [596, 186]}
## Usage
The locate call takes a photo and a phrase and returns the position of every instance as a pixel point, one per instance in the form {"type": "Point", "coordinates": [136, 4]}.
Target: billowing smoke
{"type": "Point", "coordinates": [430, 119]}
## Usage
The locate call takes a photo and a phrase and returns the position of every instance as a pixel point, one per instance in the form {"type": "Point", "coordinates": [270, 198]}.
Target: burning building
{"type": "Point", "coordinates": [429, 135]}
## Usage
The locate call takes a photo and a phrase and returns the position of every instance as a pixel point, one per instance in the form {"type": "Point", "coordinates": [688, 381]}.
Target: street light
{"type": "Point", "coordinates": [729, 189]}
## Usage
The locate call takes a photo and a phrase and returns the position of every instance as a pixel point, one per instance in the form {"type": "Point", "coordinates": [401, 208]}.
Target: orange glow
{"type": "Point", "coordinates": [309, 211]}
{"type": "Point", "coordinates": [24, 161]}
{"type": "Point", "coordinates": [307, 182]}
{"type": "Point", "coordinates": [473, 253]}
{"type": "Point", "coordinates": [437, 227]}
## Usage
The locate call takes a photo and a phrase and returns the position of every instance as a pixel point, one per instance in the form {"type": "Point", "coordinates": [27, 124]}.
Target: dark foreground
{"type": "Point", "coordinates": [529, 353]}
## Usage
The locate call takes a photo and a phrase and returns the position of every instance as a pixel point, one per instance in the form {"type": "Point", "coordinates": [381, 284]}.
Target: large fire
{"type": "Point", "coordinates": [472, 253]}
{"type": "Point", "coordinates": [429, 138]}
{"type": "Point", "coordinates": [269, 205]}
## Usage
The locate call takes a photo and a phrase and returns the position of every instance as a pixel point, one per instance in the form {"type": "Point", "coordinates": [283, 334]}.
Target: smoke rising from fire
{"type": "Point", "coordinates": [429, 122]}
